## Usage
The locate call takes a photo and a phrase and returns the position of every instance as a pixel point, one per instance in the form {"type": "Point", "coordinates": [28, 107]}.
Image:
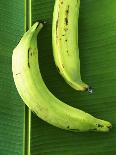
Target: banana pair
{"type": "Point", "coordinates": [28, 79]}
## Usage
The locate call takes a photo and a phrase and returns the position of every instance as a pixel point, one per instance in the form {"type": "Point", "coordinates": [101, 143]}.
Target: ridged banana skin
{"type": "Point", "coordinates": [65, 42]}
{"type": "Point", "coordinates": [38, 98]}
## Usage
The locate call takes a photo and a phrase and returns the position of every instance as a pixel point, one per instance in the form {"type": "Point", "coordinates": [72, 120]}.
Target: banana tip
{"type": "Point", "coordinates": [44, 22]}
{"type": "Point", "coordinates": [110, 126]}
{"type": "Point", "coordinates": [90, 89]}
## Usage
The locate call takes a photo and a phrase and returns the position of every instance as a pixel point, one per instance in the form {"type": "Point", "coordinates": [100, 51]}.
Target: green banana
{"type": "Point", "coordinates": [65, 42]}
{"type": "Point", "coordinates": [38, 98]}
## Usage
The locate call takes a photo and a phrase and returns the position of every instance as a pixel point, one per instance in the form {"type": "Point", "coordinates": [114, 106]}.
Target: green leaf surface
{"type": "Point", "coordinates": [97, 43]}
{"type": "Point", "coordinates": [11, 106]}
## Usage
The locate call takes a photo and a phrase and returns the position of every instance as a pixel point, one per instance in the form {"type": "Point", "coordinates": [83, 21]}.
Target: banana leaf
{"type": "Point", "coordinates": [22, 132]}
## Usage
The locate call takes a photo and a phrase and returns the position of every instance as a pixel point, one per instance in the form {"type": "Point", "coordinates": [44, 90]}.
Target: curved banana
{"type": "Point", "coordinates": [65, 42]}
{"type": "Point", "coordinates": [38, 98]}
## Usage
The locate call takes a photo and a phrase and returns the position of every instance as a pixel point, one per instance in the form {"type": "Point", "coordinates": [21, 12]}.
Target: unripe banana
{"type": "Point", "coordinates": [38, 98]}
{"type": "Point", "coordinates": [65, 42]}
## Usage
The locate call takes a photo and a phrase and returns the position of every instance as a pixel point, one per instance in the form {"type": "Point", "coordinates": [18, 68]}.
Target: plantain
{"type": "Point", "coordinates": [38, 98]}
{"type": "Point", "coordinates": [65, 43]}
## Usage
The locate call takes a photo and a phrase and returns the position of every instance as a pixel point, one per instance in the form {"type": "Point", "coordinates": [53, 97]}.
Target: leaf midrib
{"type": "Point", "coordinates": [27, 116]}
